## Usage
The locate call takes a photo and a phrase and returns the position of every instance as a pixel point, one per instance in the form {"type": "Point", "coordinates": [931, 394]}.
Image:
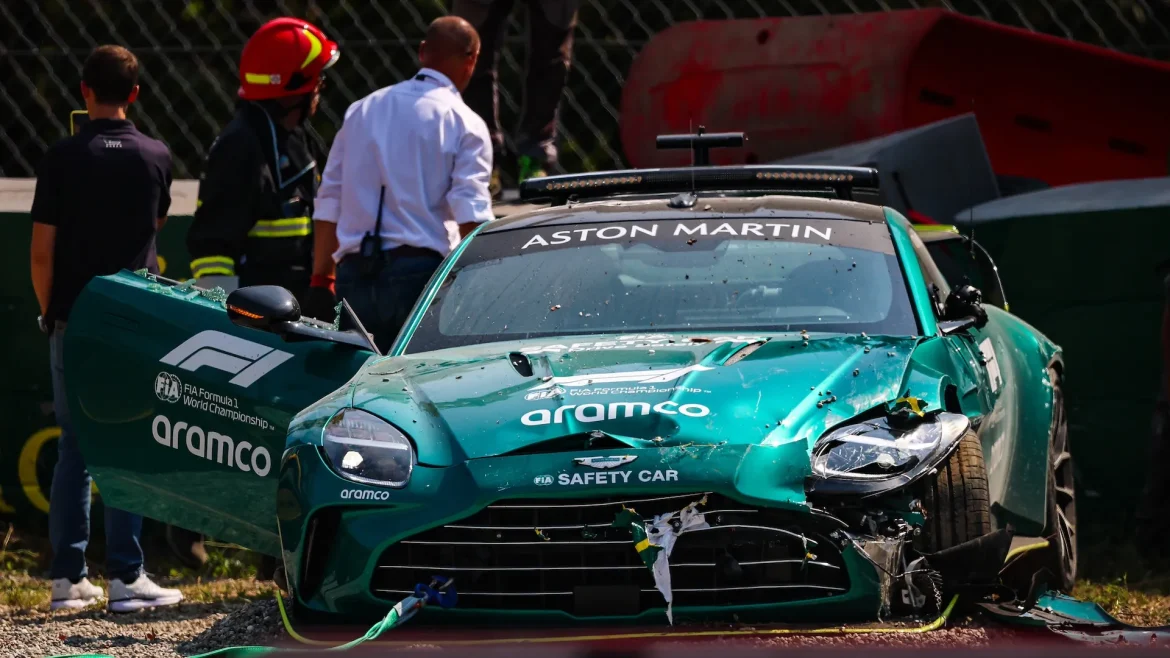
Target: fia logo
{"type": "Point", "coordinates": [167, 387]}
{"type": "Point", "coordinates": [246, 360]}
{"type": "Point", "coordinates": [542, 480]}
{"type": "Point", "coordinates": [545, 394]}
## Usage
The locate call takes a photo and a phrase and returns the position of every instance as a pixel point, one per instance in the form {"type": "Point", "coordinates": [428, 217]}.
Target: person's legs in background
{"type": "Point", "coordinates": [490, 20]}
{"type": "Point", "coordinates": [69, 499]}
{"type": "Point", "coordinates": [383, 302]}
{"type": "Point", "coordinates": [69, 506]}
{"type": "Point", "coordinates": [550, 52]}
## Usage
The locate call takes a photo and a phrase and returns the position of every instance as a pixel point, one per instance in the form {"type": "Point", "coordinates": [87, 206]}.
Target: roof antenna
{"type": "Point", "coordinates": [687, 199]}
{"type": "Point", "coordinates": [971, 209]}
{"type": "Point", "coordinates": [694, 163]}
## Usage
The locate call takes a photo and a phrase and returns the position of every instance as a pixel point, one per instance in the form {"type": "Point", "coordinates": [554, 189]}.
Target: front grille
{"type": "Point", "coordinates": [564, 555]}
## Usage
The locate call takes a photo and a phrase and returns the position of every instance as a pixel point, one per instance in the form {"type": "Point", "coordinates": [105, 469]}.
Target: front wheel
{"type": "Point", "coordinates": [957, 503]}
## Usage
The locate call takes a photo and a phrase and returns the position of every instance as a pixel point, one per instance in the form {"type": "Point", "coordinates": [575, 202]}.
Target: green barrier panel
{"type": "Point", "coordinates": [28, 447]}
{"type": "Point", "coordinates": [1089, 281]}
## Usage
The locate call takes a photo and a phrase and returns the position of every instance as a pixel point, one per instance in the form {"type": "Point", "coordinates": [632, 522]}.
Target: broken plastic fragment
{"type": "Point", "coordinates": [654, 540]}
{"type": "Point", "coordinates": [540, 533]}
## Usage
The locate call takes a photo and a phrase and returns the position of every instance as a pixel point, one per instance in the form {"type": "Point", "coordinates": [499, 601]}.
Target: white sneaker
{"type": "Point", "coordinates": [142, 593]}
{"type": "Point", "coordinates": [74, 595]}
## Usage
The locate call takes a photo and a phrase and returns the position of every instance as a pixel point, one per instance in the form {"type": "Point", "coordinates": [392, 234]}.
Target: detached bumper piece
{"type": "Point", "coordinates": [566, 555]}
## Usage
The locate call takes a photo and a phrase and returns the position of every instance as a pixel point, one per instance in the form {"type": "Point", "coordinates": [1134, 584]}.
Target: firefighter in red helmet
{"type": "Point", "coordinates": [252, 219]}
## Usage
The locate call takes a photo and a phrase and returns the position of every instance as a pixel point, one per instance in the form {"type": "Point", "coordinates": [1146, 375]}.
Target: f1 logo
{"type": "Point", "coordinates": [246, 360]}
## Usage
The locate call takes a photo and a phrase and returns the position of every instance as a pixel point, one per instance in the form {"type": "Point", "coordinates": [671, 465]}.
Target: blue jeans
{"type": "Point", "coordinates": [70, 493]}
{"type": "Point", "coordinates": [383, 302]}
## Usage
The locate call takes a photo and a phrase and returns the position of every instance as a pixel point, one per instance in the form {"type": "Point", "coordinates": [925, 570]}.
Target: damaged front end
{"type": "Point", "coordinates": [872, 473]}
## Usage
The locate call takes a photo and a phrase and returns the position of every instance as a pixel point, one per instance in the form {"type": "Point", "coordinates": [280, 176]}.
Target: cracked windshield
{"type": "Point", "coordinates": [671, 275]}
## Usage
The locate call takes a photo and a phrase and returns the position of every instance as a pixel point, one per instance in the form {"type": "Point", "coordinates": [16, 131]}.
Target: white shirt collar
{"type": "Point", "coordinates": [438, 77]}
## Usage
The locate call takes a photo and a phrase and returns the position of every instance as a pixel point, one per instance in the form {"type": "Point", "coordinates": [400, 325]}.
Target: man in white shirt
{"type": "Point", "coordinates": [415, 155]}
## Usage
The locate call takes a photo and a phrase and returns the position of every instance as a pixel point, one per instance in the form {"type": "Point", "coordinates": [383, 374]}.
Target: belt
{"type": "Point", "coordinates": [405, 251]}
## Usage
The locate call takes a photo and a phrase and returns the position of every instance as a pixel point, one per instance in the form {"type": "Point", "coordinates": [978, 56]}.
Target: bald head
{"type": "Point", "coordinates": [451, 47]}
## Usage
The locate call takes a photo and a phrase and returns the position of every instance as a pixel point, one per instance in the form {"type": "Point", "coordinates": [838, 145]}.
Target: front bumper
{"type": "Point", "coordinates": [520, 546]}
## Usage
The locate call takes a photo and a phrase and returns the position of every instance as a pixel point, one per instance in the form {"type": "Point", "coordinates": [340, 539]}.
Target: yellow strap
{"type": "Point", "coordinates": [938, 623]}
{"type": "Point", "coordinates": [642, 545]}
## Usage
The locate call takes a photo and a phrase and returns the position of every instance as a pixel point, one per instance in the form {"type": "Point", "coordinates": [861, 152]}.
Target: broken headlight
{"type": "Point", "coordinates": [364, 448]}
{"type": "Point", "coordinates": [883, 448]}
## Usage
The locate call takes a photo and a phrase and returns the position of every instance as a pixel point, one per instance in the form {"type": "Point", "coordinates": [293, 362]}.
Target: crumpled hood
{"type": "Point", "coordinates": [665, 389]}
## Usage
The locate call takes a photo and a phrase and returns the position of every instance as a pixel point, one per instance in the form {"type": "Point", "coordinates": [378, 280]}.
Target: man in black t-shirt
{"type": "Point", "coordinates": [101, 197]}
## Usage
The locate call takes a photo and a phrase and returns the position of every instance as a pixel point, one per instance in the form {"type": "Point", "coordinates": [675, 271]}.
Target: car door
{"type": "Point", "coordinates": [181, 415]}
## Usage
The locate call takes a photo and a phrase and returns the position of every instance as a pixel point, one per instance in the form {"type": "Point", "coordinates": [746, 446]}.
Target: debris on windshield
{"type": "Point", "coordinates": [692, 241]}
{"type": "Point", "coordinates": [698, 339]}
{"type": "Point", "coordinates": [867, 349]}
{"type": "Point", "coordinates": [856, 372]}
{"type": "Point", "coordinates": [554, 307]}
{"type": "Point", "coordinates": [654, 540]}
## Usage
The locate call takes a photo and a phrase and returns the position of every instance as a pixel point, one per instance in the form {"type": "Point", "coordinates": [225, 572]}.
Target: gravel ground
{"type": "Point", "coordinates": [201, 627]}
{"type": "Point", "coordinates": [185, 630]}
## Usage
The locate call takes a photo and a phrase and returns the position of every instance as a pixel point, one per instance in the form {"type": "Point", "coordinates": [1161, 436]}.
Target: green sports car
{"type": "Point", "coordinates": [697, 393]}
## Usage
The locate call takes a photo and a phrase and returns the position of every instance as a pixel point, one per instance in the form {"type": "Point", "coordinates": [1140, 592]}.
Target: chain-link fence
{"type": "Point", "coordinates": [189, 51]}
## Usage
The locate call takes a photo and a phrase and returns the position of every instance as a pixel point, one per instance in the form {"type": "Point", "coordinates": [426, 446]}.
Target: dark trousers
{"type": "Point", "coordinates": [384, 301]}
{"type": "Point", "coordinates": [550, 49]}
{"type": "Point", "coordinates": [69, 498]}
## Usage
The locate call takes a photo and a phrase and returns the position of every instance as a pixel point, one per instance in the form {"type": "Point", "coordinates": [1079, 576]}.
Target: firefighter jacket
{"type": "Point", "coordinates": [252, 218]}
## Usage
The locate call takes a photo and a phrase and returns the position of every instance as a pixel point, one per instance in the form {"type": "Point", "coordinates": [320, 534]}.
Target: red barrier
{"type": "Point", "coordinates": [1048, 108]}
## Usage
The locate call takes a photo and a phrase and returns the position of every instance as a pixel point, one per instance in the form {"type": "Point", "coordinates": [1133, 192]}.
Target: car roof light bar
{"type": "Point", "coordinates": [775, 179]}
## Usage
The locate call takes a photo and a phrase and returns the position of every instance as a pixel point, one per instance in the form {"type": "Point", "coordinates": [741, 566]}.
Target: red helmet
{"type": "Point", "coordinates": [284, 58]}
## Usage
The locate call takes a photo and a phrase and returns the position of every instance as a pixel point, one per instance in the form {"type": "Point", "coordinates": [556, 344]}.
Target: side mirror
{"type": "Point", "coordinates": [963, 309]}
{"type": "Point", "coordinates": [262, 307]}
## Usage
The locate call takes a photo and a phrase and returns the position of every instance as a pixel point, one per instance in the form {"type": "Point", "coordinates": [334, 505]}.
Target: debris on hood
{"type": "Point", "coordinates": [654, 540]}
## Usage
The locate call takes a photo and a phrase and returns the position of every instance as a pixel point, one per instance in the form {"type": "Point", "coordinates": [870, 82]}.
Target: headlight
{"type": "Point", "coordinates": [364, 448]}
{"type": "Point", "coordinates": [879, 449]}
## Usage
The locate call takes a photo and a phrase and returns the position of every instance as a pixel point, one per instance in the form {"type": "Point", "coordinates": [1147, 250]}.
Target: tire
{"type": "Point", "coordinates": [957, 504]}
{"type": "Point", "coordinates": [1061, 522]}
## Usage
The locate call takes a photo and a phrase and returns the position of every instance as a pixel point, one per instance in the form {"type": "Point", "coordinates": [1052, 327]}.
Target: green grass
{"type": "Point", "coordinates": [229, 575]}
{"type": "Point", "coordinates": [1131, 586]}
